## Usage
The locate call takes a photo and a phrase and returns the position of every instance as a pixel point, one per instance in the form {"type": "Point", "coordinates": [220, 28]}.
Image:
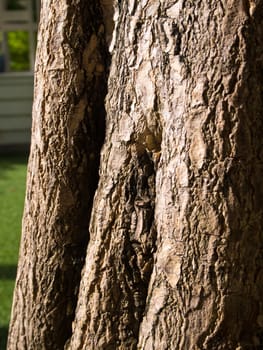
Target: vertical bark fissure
{"type": "Point", "coordinates": [120, 254]}
{"type": "Point", "coordinates": [119, 261]}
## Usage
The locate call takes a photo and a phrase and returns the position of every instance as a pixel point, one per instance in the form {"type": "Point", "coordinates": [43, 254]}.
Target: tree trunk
{"type": "Point", "coordinates": [174, 259]}
{"type": "Point", "coordinates": [68, 130]}
{"type": "Point", "coordinates": [179, 171]}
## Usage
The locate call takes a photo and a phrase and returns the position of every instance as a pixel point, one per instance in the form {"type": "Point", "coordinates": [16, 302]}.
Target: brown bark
{"type": "Point", "coordinates": [68, 130]}
{"type": "Point", "coordinates": [174, 259]}
{"type": "Point", "coordinates": [180, 176]}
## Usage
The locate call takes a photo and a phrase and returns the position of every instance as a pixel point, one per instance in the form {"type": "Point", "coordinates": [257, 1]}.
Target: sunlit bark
{"type": "Point", "coordinates": [174, 259]}
{"type": "Point", "coordinates": [68, 130]}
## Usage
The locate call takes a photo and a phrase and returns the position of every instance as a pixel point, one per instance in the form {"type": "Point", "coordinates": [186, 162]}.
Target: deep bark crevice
{"type": "Point", "coordinates": [89, 140]}
{"type": "Point", "coordinates": [140, 240]}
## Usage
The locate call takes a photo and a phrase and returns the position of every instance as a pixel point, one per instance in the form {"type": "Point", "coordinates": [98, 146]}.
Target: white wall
{"type": "Point", "coordinates": [16, 95]}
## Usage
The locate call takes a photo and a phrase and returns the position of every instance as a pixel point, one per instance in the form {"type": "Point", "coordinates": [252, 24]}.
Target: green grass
{"type": "Point", "coordinates": [12, 193]}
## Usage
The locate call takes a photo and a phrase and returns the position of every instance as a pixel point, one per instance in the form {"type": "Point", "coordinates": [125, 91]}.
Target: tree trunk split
{"type": "Point", "coordinates": [173, 251]}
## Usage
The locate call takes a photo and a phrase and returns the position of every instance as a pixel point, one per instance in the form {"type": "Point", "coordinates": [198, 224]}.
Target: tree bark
{"type": "Point", "coordinates": [176, 230]}
{"type": "Point", "coordinates": [68, 131]}
{"type": "Point", "coordinates": [174, 259]}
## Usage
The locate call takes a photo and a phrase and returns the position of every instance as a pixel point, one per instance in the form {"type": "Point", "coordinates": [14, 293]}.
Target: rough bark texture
{"type": "Point", "coordinates": [68, 130]}
{"type": "Point", "coordinates": [180, 176]}
{"type": "Point", "coordinates": [174, 259]}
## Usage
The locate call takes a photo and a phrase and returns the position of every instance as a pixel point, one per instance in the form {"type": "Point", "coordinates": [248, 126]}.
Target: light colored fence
{"type": "Point", "coordinates": [16, 95]}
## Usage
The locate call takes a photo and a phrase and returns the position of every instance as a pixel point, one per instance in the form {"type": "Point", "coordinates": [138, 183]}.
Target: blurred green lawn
{"type": "Point", "coordinates": [12, 193]}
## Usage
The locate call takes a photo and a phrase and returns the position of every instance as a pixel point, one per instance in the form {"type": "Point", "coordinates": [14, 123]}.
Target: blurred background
{"type": "Point", "coordinates": [18, 32]}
